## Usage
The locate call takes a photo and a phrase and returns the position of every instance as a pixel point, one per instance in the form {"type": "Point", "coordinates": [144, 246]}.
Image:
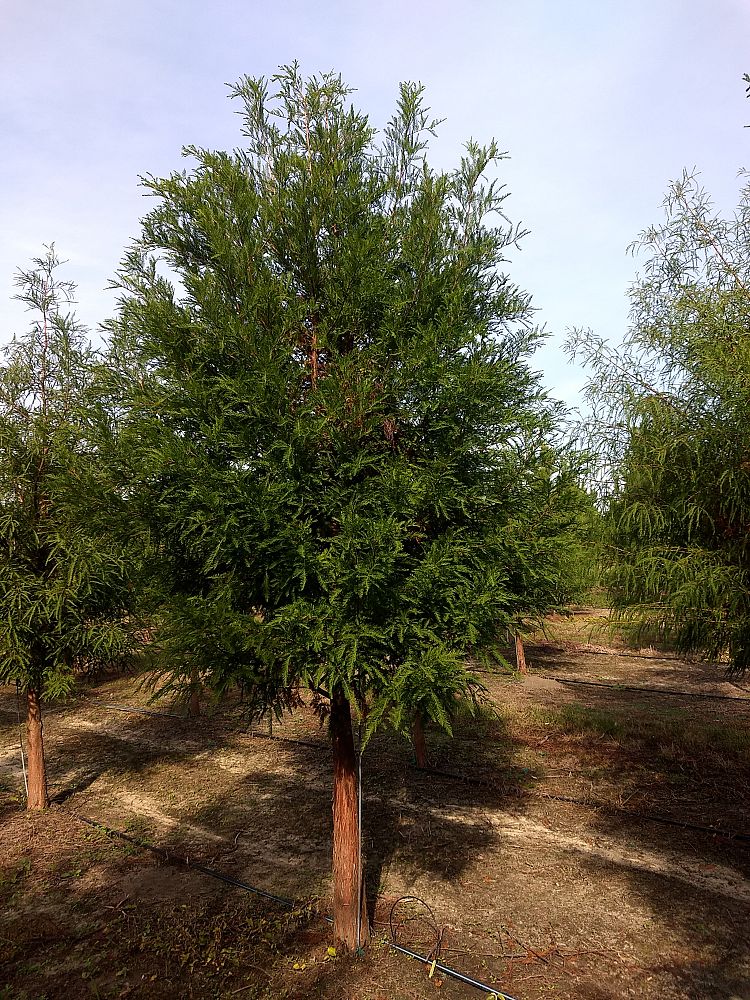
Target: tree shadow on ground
{"type": "Point", "coordinates": [85, 915]}
{"type": "Point", "coordinates": [660, 669]}
{"type": "Point", "coordinates": [259, 809]}
{"type": "Point", "coordinates": [426, 827]}
{"type": "Point", "coordinates": [284, 812]}
{"type": "Point", "coordinates": [652, 757]}
{"type": "Point", "coordinates": [112, 746]}
{"type": "Point", "coordinates": [664, 756]}
{"type": "Point", "coordinates": [722, 979]}
{"type": "Point", "coordinates": [681, 757]}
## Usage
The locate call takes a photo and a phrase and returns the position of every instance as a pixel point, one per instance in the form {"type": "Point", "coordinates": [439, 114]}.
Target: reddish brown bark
{"type": "Point", "coordinates": [194, 705]}
{"type": "Point", "coordinates": [520, 656]}
{"type": "Point", "coordinates": [348, 873]}
{"type": "Point", "coordinates": [314, 358]}
{"type": "Point", "coordinates": [38, 797]}
{"type": "Point", "coordinates": [420, 744]}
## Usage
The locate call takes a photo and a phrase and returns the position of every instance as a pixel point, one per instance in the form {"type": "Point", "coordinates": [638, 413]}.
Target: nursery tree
{"type": "Point", "coordinates": [672, 414]}
{"type": "Point", "coordinates": [350, 468]}
{"type": "Point", "coordinates": [62, 584]}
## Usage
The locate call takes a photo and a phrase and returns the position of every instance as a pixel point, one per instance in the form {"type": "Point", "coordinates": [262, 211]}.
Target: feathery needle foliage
{"type": "Point", "coordinates": [673, 409]}
{"type": "Point", "coordinates": [63, 576]}
{"type": "Point", "coordinates": [351, 471]}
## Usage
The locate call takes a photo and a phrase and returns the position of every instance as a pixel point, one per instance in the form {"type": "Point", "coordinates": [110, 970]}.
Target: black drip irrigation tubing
{"type": "Point", "coordinates": [446, 970]}
{"type": "Point", "coordinates": [488, 783]}
{"type": "Point", "coordinates": [671, 692]}
{"type": "Point", "coordinates": [168, 856]}
{"type": "Point", "coordinates": [608, 807]}
{"type": "Point", "coordinates": [286, 739]}
{"type": "Point", "coordinates": [668, 692]}
{"type": "Point", "coordinates": [714, 831]}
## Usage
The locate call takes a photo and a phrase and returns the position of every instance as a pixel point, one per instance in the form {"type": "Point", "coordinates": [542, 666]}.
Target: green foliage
{"type": "Point", "coordinates": [352, 474]}
{"type": "Point", "coordinates": [581, 719]}
{"type": "Point", "coordinates": [63, 580]}
{"type": "Point", "coordinates": [582, 558]}
{"type": "Point", "coordinates": [674, 408]}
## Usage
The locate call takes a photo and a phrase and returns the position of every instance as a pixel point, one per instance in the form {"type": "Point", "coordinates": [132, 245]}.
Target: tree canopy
{"type": "Point", "coordinates": [350, 465]}
{"type": "Point", "coordinates": [64, 579]}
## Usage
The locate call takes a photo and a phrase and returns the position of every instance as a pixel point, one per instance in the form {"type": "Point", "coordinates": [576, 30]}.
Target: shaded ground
{"type": "Point", "coordinates": [534, 893]}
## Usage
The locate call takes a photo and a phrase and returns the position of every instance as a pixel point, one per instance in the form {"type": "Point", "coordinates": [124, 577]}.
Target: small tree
{"type": "Point", "coordinates": [62, 584]}
{"type": "Point", "coordinates": [672, 414]}
{"type": "Point", "coordinates": [348, 464]}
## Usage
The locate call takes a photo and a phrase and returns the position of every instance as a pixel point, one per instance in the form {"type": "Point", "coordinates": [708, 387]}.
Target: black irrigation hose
{"type": "Point", "coordinates": [286, 739]}
{"type": "Point", "coordinates": [485, 783]}
{"type": "Point", "coordinates": [672, 692]}
{"type": "Point", "coordinates": [669, 692]}
{"type": "Point", "coordinates": [282, 900]}
{"type": "Point", "coordinates": [167, 855]}
{"type": "Point", "coordinates": [606, 806]}
{"type": "Point", "coordinates": [714, 831]}
{"type": "Point", "coordinates": [448, 971]}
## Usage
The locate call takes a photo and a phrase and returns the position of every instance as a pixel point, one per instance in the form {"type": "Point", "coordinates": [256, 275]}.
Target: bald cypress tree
{"type": "Point", "coordinates": [64, 574]}
{"type": "Point", "coordinates": [347, 462]}
{"type": "Point", "coordinates": [672, 417]}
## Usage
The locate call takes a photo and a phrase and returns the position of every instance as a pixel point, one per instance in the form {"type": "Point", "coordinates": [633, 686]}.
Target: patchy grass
{"type": "Point", "coordinates": [209, 940]}
{"type": "Point", "coordinates": [579, 719]}
{"type": "Point", "coordinates": [587, 627]}
{"type": "Point", "coordinates": [596, 597]}
{"type": "Point", "coordinates": [659, 728]}
{"type": "Point", "coordinates": [596, 624]}
{"type": "Point", "coordinates": [12, 880]}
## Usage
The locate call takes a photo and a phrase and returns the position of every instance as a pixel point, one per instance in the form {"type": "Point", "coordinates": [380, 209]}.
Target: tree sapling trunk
{"type": "Point", "coordinates": [418, 739]}
{"type": "Point", "coordinates": [194, 705]}
{"type": "Point", "coordinates": [347, 870]}
{"type": "Point", "coordinates": [520, 656]}
{"type": "Point", "coordinates": [38, 797]}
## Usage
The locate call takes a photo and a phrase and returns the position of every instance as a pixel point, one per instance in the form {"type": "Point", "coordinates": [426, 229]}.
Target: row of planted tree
{"type": "Point", "coordinates": [312, 450]}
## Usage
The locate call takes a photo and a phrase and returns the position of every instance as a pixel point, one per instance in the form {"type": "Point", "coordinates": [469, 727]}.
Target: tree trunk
{"type": "Point", "coordinates": [348, 872]}
{"type": "Point", "coordinates": [520, 656]}
{"type": "Point", "coordinates": [37, 770]}
{"type": "Point", "coordinates": [194, 705]}
{"type": "Point", "coordinates": [420, 745]}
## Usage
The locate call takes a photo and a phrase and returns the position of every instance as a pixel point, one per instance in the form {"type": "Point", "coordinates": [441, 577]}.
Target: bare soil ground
{"type": "Point", "coordinates": [584, 840]}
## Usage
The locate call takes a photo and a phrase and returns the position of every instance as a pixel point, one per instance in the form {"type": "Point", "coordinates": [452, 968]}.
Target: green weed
{"type": "Point", "coordinates": [665, 728]}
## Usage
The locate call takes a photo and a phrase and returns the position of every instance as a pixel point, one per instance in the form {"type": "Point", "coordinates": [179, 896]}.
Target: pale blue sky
{"type": "Point", "coordinates": [599, 103]}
